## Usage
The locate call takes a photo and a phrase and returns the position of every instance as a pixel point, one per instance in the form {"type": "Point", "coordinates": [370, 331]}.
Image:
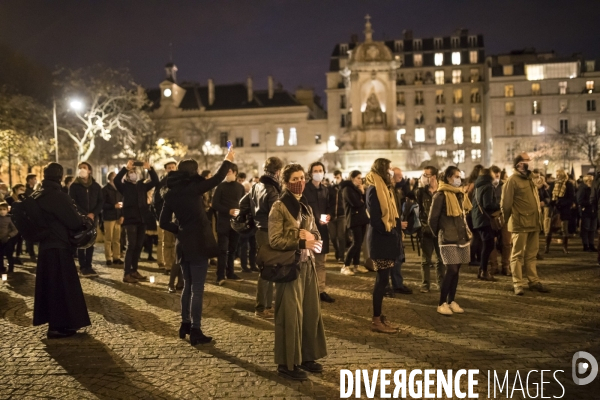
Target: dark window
{"type": "Point", "coordinates": [343, 121]}
{"type": "Point", "coordinates": [223, 139]}
{"type": "Point", "coordinates": [343, 101]}
{"type": "Point", "coordinates": [317, 139]}
{"type": "Point", "coordinates": [591, 105]}
{"type": "Point", "coordinates": [564, 126]}
{"type": "Point", "coordinates": [239, 142]}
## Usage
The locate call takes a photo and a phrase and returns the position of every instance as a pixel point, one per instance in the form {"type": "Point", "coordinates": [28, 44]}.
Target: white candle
{"type": "Point", "coordinates": [152, 279]}
{"type": "Point", "coordinates": [4, 277]}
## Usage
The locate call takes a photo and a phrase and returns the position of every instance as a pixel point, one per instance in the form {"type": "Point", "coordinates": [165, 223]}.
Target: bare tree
{"type": "Point", "coordinates": [202, 136]}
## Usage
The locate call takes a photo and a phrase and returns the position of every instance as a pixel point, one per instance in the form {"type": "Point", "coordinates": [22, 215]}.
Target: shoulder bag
{"type": "Point", "coordinates": [496, 219]}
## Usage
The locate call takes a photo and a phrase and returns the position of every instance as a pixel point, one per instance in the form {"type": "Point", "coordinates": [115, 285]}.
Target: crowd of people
{"type": "Point", "coordinates": [489, 219]}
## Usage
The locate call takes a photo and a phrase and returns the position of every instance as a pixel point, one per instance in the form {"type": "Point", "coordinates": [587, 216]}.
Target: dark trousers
{"type": "Point", "coordinates": [396, 273]}
{"type": "Point", "coordinates": [247, 246]}
{"type": "Point", "coordinates": [19, 245]}
{"type": "Point", "coordinates": [353, 256]}
{"type": "Point", "coordinates": [135, 241]}
{"type": "Point", "coordinates": [85, 257]}
{"type": "Point", "coordinates": [227, 245]}
{"type": "Point", "coordinates": [6, 251]}
{"type": "Point", "coordinates": [29, 248]}
{"type": "Point", "coordinates": [337, 235]}
{"type": "Point", "coordinates": [194, 277]}
{"type": "Point", "coordinates": [449, 284]}
{"type": "Point", "coordinates": [487, 236]}
{"type": "Point", "coordinates": [383, 277]}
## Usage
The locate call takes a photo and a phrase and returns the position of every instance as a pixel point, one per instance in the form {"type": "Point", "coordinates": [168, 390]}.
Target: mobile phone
{"type": "Point", "coordinates": [228, 144]}
{"type": "Point", "coordinates": [138, 163]}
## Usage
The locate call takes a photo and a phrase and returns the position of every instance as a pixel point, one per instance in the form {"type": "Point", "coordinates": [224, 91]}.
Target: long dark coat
{"type": "Point", "coordinates": [383, 245]}
{"type": "Point", "coordinates": [318, 200]}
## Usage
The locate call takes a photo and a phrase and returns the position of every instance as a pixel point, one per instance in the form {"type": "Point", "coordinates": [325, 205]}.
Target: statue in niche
{"type": "Point", "coordinates": [373, 114]}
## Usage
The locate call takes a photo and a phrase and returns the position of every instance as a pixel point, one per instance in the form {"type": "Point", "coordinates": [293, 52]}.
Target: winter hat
{"type": "Point", "coordinates": [53, 172]}
{"type": "Point", "coordinates": [169, 161]}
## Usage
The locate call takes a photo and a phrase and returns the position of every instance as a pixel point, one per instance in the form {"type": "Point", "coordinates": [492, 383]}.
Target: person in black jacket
{"type": "Point", "coordinates": [226, 202]}
{"type": "Point", "coordinates": [259, 202]}
{"type": "Point", "coordinates": [59, 300]}
{"type": "Point", "coordinates": [317, 196]}
{"type": "Point", "coordinates": [485, 204]}
{"type": "Point", "coordinates": [183, 214]}
{"type": "Point", "coordinates": [356, 220]}
{"type": "Point", "coordinates": [87, 195]}
{"type": "Point", "coordinates": [113, 219]}
{"type": "Point", "coordinates": [563, 198]}
{"type": "Point", "coordinates": [337, 225]}
{"type": "Point", "coordinates": [31, 182]}
{"type": "Point", "coordinates": [588, 212]}
{"type": "Point", "coordinates": [135, 202]}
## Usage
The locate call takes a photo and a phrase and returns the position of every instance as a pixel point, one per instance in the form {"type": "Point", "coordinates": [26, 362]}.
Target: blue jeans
{"type": "Point", "coordinates": [397, 279]}
{"type": "Point", "coordinates": [194, 276]}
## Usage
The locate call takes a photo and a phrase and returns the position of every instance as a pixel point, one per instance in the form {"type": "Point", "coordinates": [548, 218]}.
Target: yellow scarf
{"type": "Point", "coordinates": [453, 209]}
{"type": "Point", "coordinates": [389, 212]}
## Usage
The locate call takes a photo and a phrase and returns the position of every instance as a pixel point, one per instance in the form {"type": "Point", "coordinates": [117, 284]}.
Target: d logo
{"type": "Point", "coordinates": [590, 364]}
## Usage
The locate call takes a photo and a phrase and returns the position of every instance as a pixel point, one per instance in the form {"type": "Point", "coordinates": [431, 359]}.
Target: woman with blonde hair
{"type": "Point", "coordinates": [563, 199]}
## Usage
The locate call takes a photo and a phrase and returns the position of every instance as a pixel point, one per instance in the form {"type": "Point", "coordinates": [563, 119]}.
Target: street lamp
{"type": "Point", "coordinates": [541, 129]}
{"type": "Point", "coordinates": [76, 105]}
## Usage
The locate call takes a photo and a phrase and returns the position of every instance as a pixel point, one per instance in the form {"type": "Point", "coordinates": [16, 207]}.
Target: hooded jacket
{"type": "Point", "coordinates": [135, 197]}
{"type": "Point", "coordinates": [520, 203]}
{"type": "Point", "coordinates": [354, 205]}
{"type": "Point", "coordinates": [484, 196]}
{"type": "Point", "coordinates": [184, 215]}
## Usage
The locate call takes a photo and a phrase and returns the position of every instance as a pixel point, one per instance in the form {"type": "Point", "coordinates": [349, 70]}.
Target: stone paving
{"type": "Point", "coordinates": [132, 349]}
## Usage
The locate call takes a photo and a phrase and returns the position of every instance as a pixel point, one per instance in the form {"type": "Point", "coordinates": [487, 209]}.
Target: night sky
{"type": "Point", "coordinates": [291, 40]}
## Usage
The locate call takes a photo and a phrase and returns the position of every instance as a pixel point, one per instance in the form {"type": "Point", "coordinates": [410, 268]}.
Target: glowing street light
{"type": "Point", "coordinates": [546, 163]}
{"type": "Point", "coordinates": [76, 105]}
{"type": "Point", "coordinates": [541, 129]}
{"type": "Point", "coordinates": [160, 142]}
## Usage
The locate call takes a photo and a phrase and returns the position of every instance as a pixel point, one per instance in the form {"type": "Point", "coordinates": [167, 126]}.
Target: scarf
{"type": "Point", "coordinates": [389, 211]}
{"type": "Point", "coordinates": [81, 181]}
{"type": "Point", "coordinates": [453, 209]}
{"type": "Point", "coordinates": [560, 187]}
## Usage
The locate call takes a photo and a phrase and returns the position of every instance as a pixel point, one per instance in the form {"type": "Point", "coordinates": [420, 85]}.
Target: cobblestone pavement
{"type": "Point", "coordinates": [132, 349]}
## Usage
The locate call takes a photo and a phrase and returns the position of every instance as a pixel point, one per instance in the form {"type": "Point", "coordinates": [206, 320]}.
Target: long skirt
{"type": "Point", "coordinates": [59, 298]}
{"type": "Point", "coordinates": [299, 331]}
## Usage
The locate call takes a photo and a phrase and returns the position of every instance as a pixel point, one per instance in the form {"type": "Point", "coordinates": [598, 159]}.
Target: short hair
{"type": "Point", "coordinates": [107, 176]}
{"type": "Point", "coordinates": [69, 178]}
{"type": "Point", "coordinates": [17, 187]}
{"type": "Point", "coordinates": [288, 170]}
{"type": "Point", "coordinates": [495, 169]}
{"type": "Point", "coordinates": [450, 171]}
{"type": "Point", "coordinates": [189, 166]}
{"type": "Point", "coordinates": [242, 175]}
{"type": "Point", "coordinates": [355, 173]}
{"type": "Point", "coordinates": [3, 204]}
{"type": "Point", "coordinates": [30, 176]}
{"type": "Point", "coordinates": [434, 171]}
{"type": "Point", "coordinates": [86, 164]}
{"type": "Point", "coordinates": [272, 165]}
{"type": "Point", "coordinates": [485, 171]}
{"type": "Point", "coordinates": [234, 168]}
{"type": "Point", "coordinates": [205, 173]}
{"type": "Point", "coordinates": [315, 164]}
{"type": "Point", "coordinates": [337, 172]}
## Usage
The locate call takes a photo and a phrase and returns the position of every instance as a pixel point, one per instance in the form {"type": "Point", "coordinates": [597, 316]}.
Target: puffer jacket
{"type": "Point", "coordinates": [520, 204]}
{"type": "Point", "coordinates": [484, 196]}
{"type": "Point", "coordinates": [448, 229]}
{"type": "Point", "coordinates": [284, 232]}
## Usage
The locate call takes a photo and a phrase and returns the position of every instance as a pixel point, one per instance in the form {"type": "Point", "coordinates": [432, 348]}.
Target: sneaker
{"type": "Point", "coordinates": [456, 308]}
{"type": "Point", "coordinates": [539, 287]}
{"type": "Point", "coordinates": [234, 277]}
{"type": "Point", "coordinates": [361, 269]}
{"type": "Point", "coordinates": [129, 279]}
{"type": "Point", "coordinates": [311, 366]}
{"type": "Point", "coordinates": [347, 271]}
{"type": "Point", "coordinates": [88, 272]}
{"type": "Point", "coordinates": [295, 374]}
{"type": "Point", "coordinates": [445, 309]}
{"type": "Point", "coordinates": [519, 291]}
{"type": "Point", "coordinates": [424, 290]}
{"type": "Point", "coordinates": [326, 298]}
{"type": "Point", "coordinates": [266, 314]}
{"type": "Point", "coordinates": [403, 290]}
{"type": "Point", "coordinates": [220, 281]}
{"type": "Point", "coordinates": [138, 276]}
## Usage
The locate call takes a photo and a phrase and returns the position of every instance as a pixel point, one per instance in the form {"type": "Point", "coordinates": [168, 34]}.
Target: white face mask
{"type": "Point", "coordinates": [3, 213]}
{"type": "Point", "coordinates": [318, 176]}
{"type": "Point", "coordinates": [83, 173]}
{"type": "Point", "coordinates": [391, 172]}
{"type": "Point", "coordinates": [230, 178]}
{"type": "Point", "coordinates": [425, 180]}
{"type": "Point", "coordinates": [496, 182]}
{"type": "Point", "coordinates": [456, 182]}
{"type": "Point", "coordinates": [133, 177]}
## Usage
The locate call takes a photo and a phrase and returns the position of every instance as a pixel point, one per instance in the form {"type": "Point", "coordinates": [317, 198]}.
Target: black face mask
{"type": "Point", "coordinates": [525, 167]}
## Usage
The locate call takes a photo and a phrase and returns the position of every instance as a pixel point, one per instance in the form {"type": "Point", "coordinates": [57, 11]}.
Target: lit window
{"type": "Point", "coordinates": [439, 77]}
{"type": "Point", "coordinates": [536, 127]}
{"type": "Point", "coordinates": [562, 87]}
{"type": "Point", "coordinates": [507, 70]}
{"type": "Point", "coordinates": [458, 135]}
{"type": "Point", "coordinates": [254, 138]}
{"type": "Point", "coordinates": [475, 98]}
{"type": "Point", "coordinates": [473, 57]}
{"type": "Point", "coordinates": [440, 135]}
{"type": "Point", "coordinates": [280, 138]}
{"type": "Point", "coordinates": [399, 134]}
{"type": "Point", "coordinates": [401, 117]}
{"type": "Point", "coordinates": [400, 98]}
{"type": "Point", "coordinates": [458, 115]}
{"type": "Point", "coordinates": [456, 58]}
{"type": "Point", "coordinates": [418, 60]}
{"type": "Point", "coordinates": [536, 107]}
{"type": "Point", "coordinates": [589, 86]}
{"type": "Point", "coordinates": [476, 154]}
{"type": "Point", "coordinates": [535, 89]}
{"type": "Point", "coordinates": [475, 116]}
{"type": "Point", "coordinates": [591, 105]}
{"type": "Point", "coordinates": [590, 66]}
{"type": "Point", "coordinates": [418, 98]}
{"type": "Point", "coordinates": [564, 125]}
{"type": "Point", "coordinates": [293, 140]}
{"type": "Point", "coordinates": [438, 59]}
{"type": "Point", "coordinates": [439, 97]}
{"type": "Point", "coordinates": [457, 96]}
{"type": "Point", "coordinates": [509, 90]}
{"type": "Point", "coordinates": [509, 128]}
{"type": "Point", "coordinates": [537, 72]}
{"type": "Point", "coordinates": [441, 153]}
{"type": "Point", "coordinates": [474, 75]}
{"type": "Point", "coordinates": [419, 117]}
{"type": "Point", "coordinates": [591, 126]}
{"type": "Point", "coordinates": [420, 135]}
{"type": "Point", "coordinates": [456, 76]}
{"type": "Point", "coordinates": [459, 156]}
{"type": "Point", "coordinates": [476, 134]}
{"type": "Point", "coordinates": [509, 108]}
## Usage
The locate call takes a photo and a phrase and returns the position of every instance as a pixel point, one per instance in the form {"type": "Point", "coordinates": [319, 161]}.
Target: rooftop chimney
{"type": "Point", "coordinates": [250, 90]}
{"type": "Point", "coordinates": [171, 71]}
{"type": "Point", "coordinates": [211, 92]}
{"type": "Point", "coordinates": [407, 34]}
{"type": "Point", "coordinates": [271, 88]}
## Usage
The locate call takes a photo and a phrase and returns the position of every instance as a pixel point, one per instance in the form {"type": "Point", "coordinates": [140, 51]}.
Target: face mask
{"type": "Point", "coordinates": [296, 187]}
{"type": "Point", "coordinates": [525, 167]}
{"type": "Point", "coordinates": [391, 172]}
{"type": "Point", "coordinates": [318, 176]}
{"type": "Point", "coordinates": [496, 182]}
{"type": "Point", "coordinates": [3, 213]}
{"type": "Point", "coordinates": [456, 182]}
{"type": "Point", "coordinates": [425, 180]}
{"type": "Point", "coordinates": [83, 173]}
{"type": "Point", "coordinates": [230, 178]}
{"type": "Point", "coordinates": [133, 177]}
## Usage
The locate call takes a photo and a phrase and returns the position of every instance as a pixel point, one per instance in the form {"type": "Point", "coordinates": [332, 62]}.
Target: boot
{"type": "Point", "coordinates": [586, 247]}
{"type": "Point", "coordinates": [197, 337]}
{"type": "Point", "coordinates": [506, 271]}
{"type": "Point", "coordinates": [566, 244]}
{"type": "Point", "coordinates": [184, 329]}
{"type": "Point", "coordinates": [548, 241]}
{"type": "Point", "coordinates": [378, 326]}
{"type": "Point", "coordinates": [486, 276]}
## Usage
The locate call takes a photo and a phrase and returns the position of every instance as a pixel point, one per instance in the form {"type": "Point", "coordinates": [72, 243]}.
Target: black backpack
{"type": "Point", "coordinates": [29, 218]}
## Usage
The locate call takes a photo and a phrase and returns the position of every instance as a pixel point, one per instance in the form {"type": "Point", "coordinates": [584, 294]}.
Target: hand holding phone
{"type": "Point", "coordinates": [138, 163]}
{"type": "Point", "coordinates": [228, 144]}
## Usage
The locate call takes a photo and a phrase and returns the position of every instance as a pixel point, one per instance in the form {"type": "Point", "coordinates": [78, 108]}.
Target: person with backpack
{"type": "Point", "coordinates": [87, 195]}
{"type": "Point", "coordinates": [485, 205]}
{"type": "Point", "coordinates": [8, 236]}
{"type": "Point", "coordinates": [135, 202]}
{"type": "Point", "coordinates": [58, 300]}
{"type": "Point", "coordinates": [112, 215]}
